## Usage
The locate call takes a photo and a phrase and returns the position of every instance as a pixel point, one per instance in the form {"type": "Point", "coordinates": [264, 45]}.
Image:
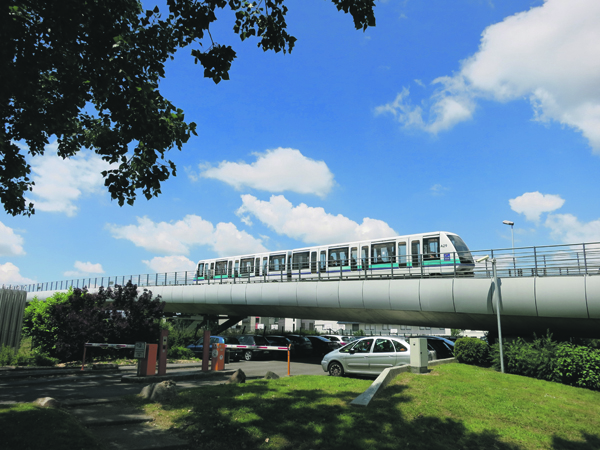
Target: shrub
{"type": "Point", "coordinates": [578, 366]}
{"type": "Point", "coordinates": [474, 351]}
{"type": "Point", "coordinates": [536, 359]}
{"type": "Point", "coordinates": [7, 356]}
{"type": "Point", "coordinates": [180, 353]}
{"type": "Point", "coordinates": [41, 359]}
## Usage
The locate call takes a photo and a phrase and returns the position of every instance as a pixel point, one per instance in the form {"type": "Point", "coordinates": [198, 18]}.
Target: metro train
{"type": "Point", "coordinates": [430, 254]}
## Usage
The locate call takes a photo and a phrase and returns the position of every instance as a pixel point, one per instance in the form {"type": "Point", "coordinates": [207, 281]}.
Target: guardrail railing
{"type": "Point", "coordinates": [540, 261]}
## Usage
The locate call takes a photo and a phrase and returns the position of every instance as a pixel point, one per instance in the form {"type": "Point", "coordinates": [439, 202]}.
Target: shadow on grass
{"type": "Point", "coordinates": [265, 415]}
{"type": "Point", "coordinates": [591, 442]}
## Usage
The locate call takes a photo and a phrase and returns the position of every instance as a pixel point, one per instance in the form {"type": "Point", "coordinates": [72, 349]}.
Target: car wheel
{"type": "Point", "coordinates": [336, 369]}
{"type": "Point", "coordinates": [248, 355]}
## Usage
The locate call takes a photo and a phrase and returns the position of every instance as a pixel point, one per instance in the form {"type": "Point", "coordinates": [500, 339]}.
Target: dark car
{"type": "Point", "coordinates": [444, 348]}
{"type": "Point", "coordinates": [302, 345]}
{"type": "Point", "coordinates": [322, 346]}
{"type": "Point", "coordinates": [279, 341]}
{"type": "Point", "coordinates": [234, 353]}
{"type": "Point", "coordinates": [252, 341]}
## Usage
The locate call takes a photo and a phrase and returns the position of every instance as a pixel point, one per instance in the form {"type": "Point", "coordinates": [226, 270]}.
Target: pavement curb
{"type": "Point", "coordinates": [188, 375]}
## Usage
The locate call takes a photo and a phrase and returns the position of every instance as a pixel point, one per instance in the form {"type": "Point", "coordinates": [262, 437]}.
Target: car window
{"type": "Point", "coordinates": [363, 346]}
{"type": "Point", "coordinates": [399, 347]}
{"type": "Point", "coordinates": [246, 340]}
{"type": "Point", "coordinates": [214, 340]}
{"type": "Point", "coordinates": [260, 340]}
{"type": "Point", "coordinates": [383, 346]}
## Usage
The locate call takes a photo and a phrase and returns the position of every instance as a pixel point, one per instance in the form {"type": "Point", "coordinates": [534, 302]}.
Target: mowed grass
{"type": "Point", "coordinates": [454, 407]}
{"type": "Point", "coordinates": [27, 427]}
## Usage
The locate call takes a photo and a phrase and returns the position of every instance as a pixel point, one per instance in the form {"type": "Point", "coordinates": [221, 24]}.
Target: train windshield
{"type": "Point", "coordinates": [463, 251]}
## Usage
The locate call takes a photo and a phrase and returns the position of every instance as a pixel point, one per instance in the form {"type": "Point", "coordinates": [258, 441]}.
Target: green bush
{"type": "Point", "coordinates": [578, 366]}
{"type": "Point", "coordinates": [474, 351]}
{"type": "Point", "coordinates": [7, 356]}
{"type": "Point", "coordinates": [180, 353]}
{"type": "Point", "coordinates": [42, 359]}
{"type": "Point", "coordinates": [536, 359]}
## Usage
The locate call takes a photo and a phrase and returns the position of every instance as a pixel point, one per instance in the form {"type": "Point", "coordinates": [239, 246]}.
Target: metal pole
{"type": "Point", "coordinates": [497, 295]}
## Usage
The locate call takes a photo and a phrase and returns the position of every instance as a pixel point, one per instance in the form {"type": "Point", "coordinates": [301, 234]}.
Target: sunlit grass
{"type": "Point", "coordinates": [454, 406]}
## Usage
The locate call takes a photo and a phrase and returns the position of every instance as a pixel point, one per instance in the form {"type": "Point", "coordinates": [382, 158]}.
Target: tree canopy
{"type": "Point", "coordinates": [88, 72]}
{"type": "Point", "coordinates": [62, 324]}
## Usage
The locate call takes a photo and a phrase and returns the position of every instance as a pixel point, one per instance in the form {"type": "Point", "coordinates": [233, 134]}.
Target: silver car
{"type": "Point", "coordinates": [369, 356]}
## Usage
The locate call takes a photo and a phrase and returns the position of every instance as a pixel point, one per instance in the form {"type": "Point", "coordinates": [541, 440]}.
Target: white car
{"type": "Point", "coordinates": [342, 340]}
{"type": "Point", "coordinates": [368, 356]}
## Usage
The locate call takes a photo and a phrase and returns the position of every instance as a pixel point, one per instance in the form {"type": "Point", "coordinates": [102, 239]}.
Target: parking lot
{"type": "Point", "coordinates": [92, 384]}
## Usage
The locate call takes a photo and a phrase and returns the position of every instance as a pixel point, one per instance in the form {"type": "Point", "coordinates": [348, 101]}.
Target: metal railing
{"type": "Point", "coordinates": [540, 261]}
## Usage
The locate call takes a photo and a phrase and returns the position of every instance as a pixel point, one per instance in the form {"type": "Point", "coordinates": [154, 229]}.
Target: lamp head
{"type": "Point", "coordinates": [508, 222]}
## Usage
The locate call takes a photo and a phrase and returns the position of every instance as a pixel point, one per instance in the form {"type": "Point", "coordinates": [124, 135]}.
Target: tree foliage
{"type": "Point", "coordinates": [61, 325]}
{"type": "Point", "coordinates": [88, 73]}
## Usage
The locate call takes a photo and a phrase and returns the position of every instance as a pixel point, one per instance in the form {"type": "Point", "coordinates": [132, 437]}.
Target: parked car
{"type": "Point", "coordinates": [321, 345]}
{"type": "Point", "coordinates": [342, 340]}
{"type": "Point", "coordinates": [302, 345]}
{"type": "Point", "coordinates": [234, 354]}
{"type": "Point", "coordinates": [253, 340]}
{"type": "Point", "coordinates": [368, 356]}
{"type": "Point", "coordinates": [444, 348]}
{"type": "Point", "coordinates": [279, 341]}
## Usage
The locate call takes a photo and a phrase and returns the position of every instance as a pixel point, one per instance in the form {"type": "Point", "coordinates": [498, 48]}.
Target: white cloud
{"type": "Point", "coordinates": [533, 204]}
{"type": "Point", "coordinates": [60, 182]}
{"type": "Point", "coordinates": [311, 225]}
{"type": "Point", "coordinates": [84, 268]}
{"type": "Point", "coordinates": [160, 264]}
{"type": "Point", "coordinates": [176, 238]}
{"type": "Point", "coordinates": [569, 230]}
{"type": "Point", "coordinates": [282, 169]}
{"type": "Point", "coordinates": [11, 244]}
{"type": "Point", "coordinates": [438, 189]}
{"type": "Point", "coordinates": [548, 54]}
{"type": "Point", "coordinates": [10, 275]}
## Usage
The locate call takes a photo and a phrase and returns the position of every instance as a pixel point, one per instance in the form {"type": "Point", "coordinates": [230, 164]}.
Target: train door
{"type": "Point", "coordinates": [364, 258]}
{"type": "Point", "coordinates": [313, 263]}
{"type": "Point", "coordinates": [353, 259]}
{"type": "Point", "coordinates": [323, 262]}
{"type": "Point", "coordinates": [265, 268]}
{"type": "Point", "coordinates": [211, 274]}
{"type": "Point", "coordinates": [289, 266]}
{"type": "Point", "coordinates": [200, 273]}
{"type": "Point", "coordinates": [431, 253]}
{"type": "Point", "coordinates": [415, 252]}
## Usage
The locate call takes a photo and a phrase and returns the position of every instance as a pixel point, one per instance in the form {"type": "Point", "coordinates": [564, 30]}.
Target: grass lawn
{"type": "Point", "coordinates": [27, 427]}
{"type": "Point", "coordinates": [454, 407]}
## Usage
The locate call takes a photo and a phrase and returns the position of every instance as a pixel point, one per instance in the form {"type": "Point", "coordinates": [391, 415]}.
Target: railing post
{"type": "Point", "coordinates": [535, 261]}
{"type": "Point", "coordinates": [584, 260]}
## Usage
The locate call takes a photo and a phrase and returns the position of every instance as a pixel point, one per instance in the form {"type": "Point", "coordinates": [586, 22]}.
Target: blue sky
{"type": "Point", "coordinates": [447, 116]}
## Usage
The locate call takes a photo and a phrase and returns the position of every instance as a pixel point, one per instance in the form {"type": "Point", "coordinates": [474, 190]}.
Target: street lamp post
{"type": "Point", "coordinates": [512, 235]}
{"type": "Point", "coordinates": [496, 294]}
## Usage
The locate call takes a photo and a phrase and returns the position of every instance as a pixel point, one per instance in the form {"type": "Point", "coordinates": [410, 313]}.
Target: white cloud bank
{"type": "Point", "coordinates": [176, 238]}
{"type": "Point", "coordinates": [84, 269]}
{"type": "Point", "coordinates": [60, 182]}
{"type": "Point", "coordinates": [282, 169]}
{"type": "Point", "coordinates": [10, 275]}
{"type": "Point", "coordinates": [548, 54]}
{"type": "Point", "coordinates": [565, 228]}
{"type": "Point", "coordinates": [309, 224]}
{"type": "Point", "coordinates": [533, 204]}
{"type": "Point", "coordinates": [11, 244]}
{"type": "Point", "coordinates": [161, 264]}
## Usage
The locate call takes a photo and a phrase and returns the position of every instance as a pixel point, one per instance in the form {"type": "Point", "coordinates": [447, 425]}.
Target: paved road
{"type": "Point", "coordinates": [94, 385]}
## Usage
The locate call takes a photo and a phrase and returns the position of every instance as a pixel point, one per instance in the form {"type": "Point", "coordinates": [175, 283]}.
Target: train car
{"type": "Point", "coordinates": [428, 254]}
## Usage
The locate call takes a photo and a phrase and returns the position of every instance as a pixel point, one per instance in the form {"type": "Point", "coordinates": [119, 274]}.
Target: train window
{"type": "Point", "coordinates": [338, 257]}
{"type": "Point", "coordinates": [415, 250]}
{"type": "Point", "coordinates": [200, 270]}
{"type": "Point", "coordinates": [265, 265]}
{"type": "Point", "coordinates": [364, 256]}
{"type": "Point", "coordinates": [313, 262]}
{"type": "Point", "coordinates": [353, 258]}
{"type": "Point", "coordinates": [236, 269]}
{"type": "Point", "coordinates": [230, 266]}
{"type": "Point", "coordinates": [300, 261]}
{"type": "Point", "coordinates": [383, 253]}
{"type": "Point", "coordinates": [277, 262]}
{"type": "Point", "coordinates": [402, 254]}
{"type": "Point", "coordinates": [431, 248]}
{"type": "Point", "coordinates": [221, 268]}
{"type": "Point", "coordinates": [463, 251]}
{"type": "Point", "coordinates": [247, 266]}
{"type": "Point", "coordinates": [323, 262]}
